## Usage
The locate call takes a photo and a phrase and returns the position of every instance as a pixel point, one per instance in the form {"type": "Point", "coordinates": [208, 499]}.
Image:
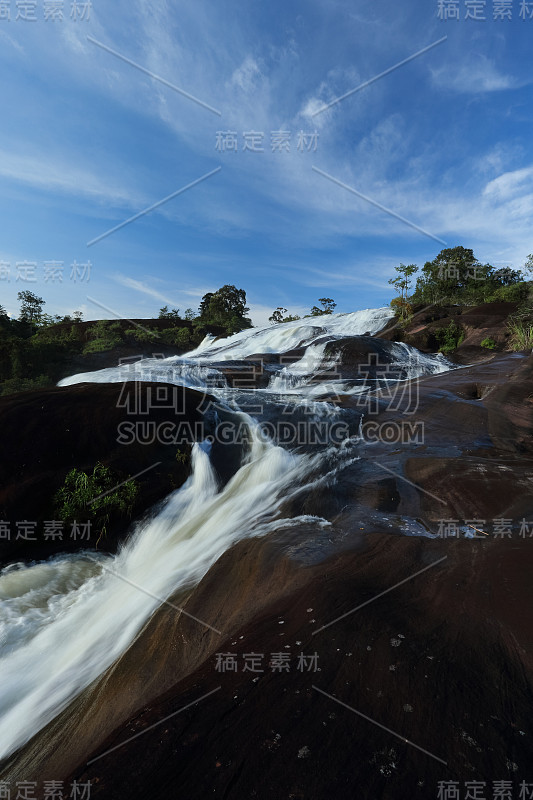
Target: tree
{"type": "Point", "coordinates": [528, 266]}
{"type": "Point", "coordinates": [103, 335]}
{"type": "Point", "coordinates": [179, 337]}
{"type": "Point", "coordinates": [5, 322]}
{"type": "Point", "coordinates": [203, 308]}
{"type": "Point", "coordinates": [456, 276]}
{"type": "Point", "coordinates": [507, 276]}
{"type": "Point", "coordinates": [164, 313]}
{"type": "Point", "coordinates": [227, 308]}
{"type": "Point", "coordinates": [402, 282]}
{"type": "Point", "coordinates": [31, 306]}
{"type": "Point", "coordinates": [328, 305]}
{"type": "Point", "coordinates": [189, 314]}
{"type": "Point", "coordinates": [45, 320]}
{"type": "Point", "coordinates": [454, 273]}
{"type": "Point", "coordinates": [277, 315]}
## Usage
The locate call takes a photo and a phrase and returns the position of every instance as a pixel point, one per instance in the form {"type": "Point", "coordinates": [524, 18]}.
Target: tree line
{"type": "Point", "coordinates": [455, 276]}
{"type": "Point", "coordinates": [327, 306]}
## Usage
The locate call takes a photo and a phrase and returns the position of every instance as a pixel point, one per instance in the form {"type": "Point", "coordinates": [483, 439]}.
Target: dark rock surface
{"type": "Point", "coordinates": [434, 666]}
{"type": "Point", "coordinates": [480, 322]}
{"type": "Point", "coordinates": [46, 433]}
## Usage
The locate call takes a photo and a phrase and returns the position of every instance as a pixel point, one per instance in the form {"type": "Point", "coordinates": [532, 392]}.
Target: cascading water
{"type": "Point", "coordinates": [65, 621]}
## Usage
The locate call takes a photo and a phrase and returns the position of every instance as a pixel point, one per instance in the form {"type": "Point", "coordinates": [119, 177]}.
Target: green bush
{"type": "Point", "coordinates": [510, 294]}
{"type": "Point", "coordinates": [488, 343]}
{"type": "Point", "coordinates": [449, 338]}
{"type": "Point", "coordinates": [180, 337]}
{"type": "Point", "coordinates": [13, 385]}
{"type": "Point", "coordinates": [95, 497]}
{"type": "Point", "coordinates": [182, 457]}
{"type": "Point", "coordinates": [521, 334]}
{"type": "Point", "coordinates": [402, 308]}
{"type": "Point", "coordinates": [103, 336]}
{"type": "Point", "coordinates": [143, 334]}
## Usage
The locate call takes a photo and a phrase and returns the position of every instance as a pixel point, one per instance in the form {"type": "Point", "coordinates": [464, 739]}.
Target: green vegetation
{"type": "Point", "coordinates": [182, 457]}
{"type": "Point", "coordinates": [456, 276]}
{"type": "Point", "coordinates": [521, 331]}
{"type": "Point", "coordinates": [164, 313]}
{"type": "Point", "coordinates": [449, 338]}
{"type": "Point", "coordinates": [103, 336]}
{"type": "Point", "coordinates": [515, 293]}
{"type": "Point", "coordinates": [142, 335]}
{"type": "Point", "coordinates": [98, 497]}
{"type": "Point", "coordinates": [34, 346]}
{"type": "Point", "coordinates": [281, 315]}
{"type": "Point", "coordinates": [13, 385]}
{"type": "Point", "coordinates": [403, 283]}
{"type": "Point", "coordinates": [327, 306]}
{"type": "Point", "coordinates": [402, 308]}
{"type": "Point", "coordinates": [36, 349]}
{"type": "Point", "coordinates": [225, 308]}
{"type": "Point", "coordinates": [179, 337]}
{"type": "Point", "coordinates": [31, 307]}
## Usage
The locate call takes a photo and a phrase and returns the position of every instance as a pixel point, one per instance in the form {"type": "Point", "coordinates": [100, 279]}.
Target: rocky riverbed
{"type": "Point", "coordinates": [375, 642]}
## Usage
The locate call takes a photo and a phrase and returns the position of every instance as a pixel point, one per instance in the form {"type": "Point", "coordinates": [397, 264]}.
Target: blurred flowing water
{"type": "Point", "coordinates": [65, 621]}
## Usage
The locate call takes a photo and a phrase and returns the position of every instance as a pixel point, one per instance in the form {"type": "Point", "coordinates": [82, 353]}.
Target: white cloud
{"type": "Point", "coordinates": [510, 184]}
{"type": "Point", "coordinates": [477, 74]}
{"type": "Point", "coordinates": [43, 171]}
{"type": "Point", "coordinates": [247, 75]}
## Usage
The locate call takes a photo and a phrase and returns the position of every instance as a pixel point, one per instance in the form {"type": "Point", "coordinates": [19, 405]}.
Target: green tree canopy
{"type": "Point", "coordinates": [164, 313]}
{"type": "Point", "coordinates": [282, 315]}
{"type": "Point", "coordinates": [456, 276]}
{"type": "Point", "coordinates": [402, 282]}
{"type": "Point", "coordinates": [227, 308]}
{"type": "Point", "coordinates": [328, 306]}
{"type": "Point", "coordinates": [31, 306]}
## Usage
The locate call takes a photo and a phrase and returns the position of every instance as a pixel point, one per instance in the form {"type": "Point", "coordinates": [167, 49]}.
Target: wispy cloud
{"type": "Point", "coordinates": [509, 185]}
{"type": "Point", "coordinates": [53, 173]}
{"type": "Point", "coordinates": [139, 286]}
{"type": "Point", "coordinates": [478, 73]}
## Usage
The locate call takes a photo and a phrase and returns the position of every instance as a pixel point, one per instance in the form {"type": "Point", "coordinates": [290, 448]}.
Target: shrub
{"type": "Point", "coordinates": [13, 385]}
{"type": "Point", "coordinates": [511, 294]}
{"type": "Point", "coordinates": [142, 334]}
{"type": "Point", "coordinates": [449, 338]}
{"type": "Point", "coordinates": [402, 307]}
{"type": "Point", "coordinates": [488, 343]}
{"type": "Point", "coordinates": [182, 457]}
{"type": "Point", "coordinates": [521, 334]}
{"type": "Point", "coordinates": [95, 497]}
{"type": "Point", "coordinates": [180, 337]}
{"type": "Point", "coordinates": [103, 336]}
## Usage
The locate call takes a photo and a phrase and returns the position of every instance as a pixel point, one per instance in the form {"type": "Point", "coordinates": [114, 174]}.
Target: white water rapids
{"type": "Point", "coordinates": [64, 621]}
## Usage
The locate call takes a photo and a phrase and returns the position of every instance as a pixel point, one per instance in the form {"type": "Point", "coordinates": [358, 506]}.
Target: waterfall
{"type": "Point", "coordinates": [65, 621]}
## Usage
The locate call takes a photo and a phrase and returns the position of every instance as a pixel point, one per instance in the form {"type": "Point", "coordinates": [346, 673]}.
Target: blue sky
{"type": "Point", "coordinates": [88, 141]}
